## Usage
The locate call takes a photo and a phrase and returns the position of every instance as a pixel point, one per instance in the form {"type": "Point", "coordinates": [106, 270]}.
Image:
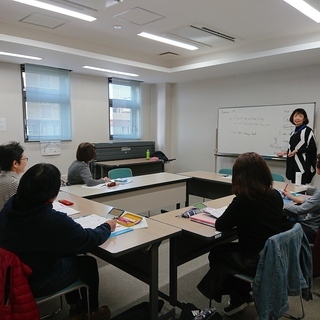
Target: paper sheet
{"type": "Point", "coordinates": [63, 208]}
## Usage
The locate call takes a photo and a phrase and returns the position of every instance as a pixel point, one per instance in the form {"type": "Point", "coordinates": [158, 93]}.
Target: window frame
{"type": "Point", "coordinates": [51, 98]}
{"type": "Point", "coordinates": [134, 105]}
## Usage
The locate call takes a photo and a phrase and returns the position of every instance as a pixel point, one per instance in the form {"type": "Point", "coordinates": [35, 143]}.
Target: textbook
{"type": "Point", "coordinates": [204, 218]}
{"type": "Point", "coordinates": [217, 213]}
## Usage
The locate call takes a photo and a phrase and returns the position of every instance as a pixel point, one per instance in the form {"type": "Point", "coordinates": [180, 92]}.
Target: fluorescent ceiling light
{"type": "Point", "coordinates": [57, 9]}
{"type": "Point", "coordinates": [306, 9]}
{"type": "Point", "coordinates": [111, 71]}
{"type": "Point", "coordinates": [19, 55]}
{"type": "Point", "coordinates": [168, 41]}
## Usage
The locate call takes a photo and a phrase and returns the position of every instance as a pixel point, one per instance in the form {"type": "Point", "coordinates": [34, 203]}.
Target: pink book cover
{"type": "Point", "coordinates": [204, 218]}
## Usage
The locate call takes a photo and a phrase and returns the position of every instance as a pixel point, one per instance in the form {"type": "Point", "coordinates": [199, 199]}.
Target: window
{"type": "Point", "coordinates": [124, 106]}
{"type": "Point", "coordinates": [46, 96]}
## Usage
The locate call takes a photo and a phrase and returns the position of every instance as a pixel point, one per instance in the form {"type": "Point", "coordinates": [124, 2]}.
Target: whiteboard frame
{"type": "Point", "coordinates": [266, 156]}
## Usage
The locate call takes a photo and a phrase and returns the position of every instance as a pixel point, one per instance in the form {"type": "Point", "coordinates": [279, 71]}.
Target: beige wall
{"type": "Point", "coordinates": [181, 118]}
{"type": "Point", "coordinates": [89, 107]}
{"type": "Point", "coordinates": [195, 107]}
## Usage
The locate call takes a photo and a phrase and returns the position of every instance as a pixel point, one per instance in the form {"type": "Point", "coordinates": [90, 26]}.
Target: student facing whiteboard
{"type": "Point", "coordinates": [302, 151]}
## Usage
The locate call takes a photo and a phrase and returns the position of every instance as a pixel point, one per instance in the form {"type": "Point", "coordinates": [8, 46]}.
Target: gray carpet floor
{"type": "Point", "coordinates": [120, 291]}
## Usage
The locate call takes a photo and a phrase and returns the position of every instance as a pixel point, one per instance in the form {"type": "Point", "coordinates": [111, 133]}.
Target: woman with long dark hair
{"type": "Point", "coordinates": [256, 213]}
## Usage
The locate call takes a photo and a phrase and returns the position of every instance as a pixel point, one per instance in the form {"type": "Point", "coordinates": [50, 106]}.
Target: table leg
{"type": "Point", "coordinates": [154, 280]}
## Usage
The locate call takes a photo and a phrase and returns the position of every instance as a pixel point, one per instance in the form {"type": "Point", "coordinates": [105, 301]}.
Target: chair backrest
{"type": "Point", "coordinates": [225, 171]}
{"type": "Point", "coordinates": [278, 177]}
{"type": "Point", "coordinates": [16, 299]}
{"type": "Point", "coordinates": [284, 268]}
{"type": "Point", "coordinates": [120, 173]}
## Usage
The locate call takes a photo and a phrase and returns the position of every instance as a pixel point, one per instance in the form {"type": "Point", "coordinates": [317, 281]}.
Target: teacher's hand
{"type": "Point", "coordinates": [292, 153]}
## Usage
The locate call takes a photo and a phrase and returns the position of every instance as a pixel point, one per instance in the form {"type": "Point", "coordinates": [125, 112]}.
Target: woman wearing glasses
{"type": "Point", "coordinates": [12, 163]}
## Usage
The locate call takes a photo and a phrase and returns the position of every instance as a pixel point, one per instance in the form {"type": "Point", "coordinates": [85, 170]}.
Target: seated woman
{"type": "Point", "coordinates": [79, 171]}
{"type": "Point", "coordinates": [256, 212]}
{"type": "Point", "coordinates": [12, 164]}
{"type": "Point", "coordinates": [302, 206]}
{"type": "Point", "coordinates": [49, 241]}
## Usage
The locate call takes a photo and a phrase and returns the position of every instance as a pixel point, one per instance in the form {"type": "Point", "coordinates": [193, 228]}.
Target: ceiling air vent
{"type": "Point", "coordinates": [198, 34]}
{"type": "Point", "coordinates": [167, 54]}
{"type": "Point", "coordinates": [213, 32]}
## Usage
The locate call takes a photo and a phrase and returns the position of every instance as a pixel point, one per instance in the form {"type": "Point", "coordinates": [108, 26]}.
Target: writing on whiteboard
{"type": "Point", "coordinates": [263, 129]}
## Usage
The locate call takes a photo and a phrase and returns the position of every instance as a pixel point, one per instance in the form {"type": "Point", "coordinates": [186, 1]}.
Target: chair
{"type": "Point", "coordinates": [14, 278]}
{"type": "Point", "coordinates": [225, 171]}
{"type": "Point", "coordinates": [120, 173]}
{"type": "Point", "coordinates": [64, 180]}
{"type": "Point", "coordinates": [77, 285]}
{"type": "Point", "coordinates": [278, 177]}
{"type": "Point", "coordinates": [16, 298]}
{"type": "Point", "coordinates": [269, 272]}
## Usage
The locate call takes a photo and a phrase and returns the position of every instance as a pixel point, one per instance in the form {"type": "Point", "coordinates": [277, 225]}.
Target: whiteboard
{"type": "Point", "coordinates": [262, 129]}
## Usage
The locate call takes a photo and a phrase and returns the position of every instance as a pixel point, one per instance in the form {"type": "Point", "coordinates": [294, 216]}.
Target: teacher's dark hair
{"type": "Point", "coordinates": [86, 152]}
{"type": "Point", "coordinates": [301, 111]}
{"type": "Point", "coordinates": [251, 176]}
{"type": "Point", "coordinates": [40, 183]}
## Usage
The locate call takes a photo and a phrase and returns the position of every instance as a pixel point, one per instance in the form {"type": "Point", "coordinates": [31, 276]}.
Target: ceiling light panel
{"type": "Point", "coordinates": [16, 55]}
{"type": "Point", "coordinates": [57, 9]}
{"type": "Point", "coordinates": [167, 41]}
{"type": "Point", "coordinates": [305, 8]}
{"type": "Point", "coordinates": [111, 71]}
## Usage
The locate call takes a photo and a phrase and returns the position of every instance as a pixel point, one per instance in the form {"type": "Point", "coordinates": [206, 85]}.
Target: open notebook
{"type": "Point", "coordinates": [93, 220]}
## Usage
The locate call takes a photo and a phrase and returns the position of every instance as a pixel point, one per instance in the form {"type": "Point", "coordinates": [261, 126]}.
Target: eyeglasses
{"type": "Point", "coordinates": [24, 159]}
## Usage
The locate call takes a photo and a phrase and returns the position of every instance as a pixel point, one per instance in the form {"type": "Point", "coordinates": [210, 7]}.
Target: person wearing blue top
{"type": "Point", "coordinates": [79, 171]}
{"type": "Point", "coordinates": [49, 241]}
{"type": "Point", "coordinates": [256, 213]}
{"type": "Point", "coordinates": [302, 151]}
{"type": "Point", "coordinates": [310, 208]}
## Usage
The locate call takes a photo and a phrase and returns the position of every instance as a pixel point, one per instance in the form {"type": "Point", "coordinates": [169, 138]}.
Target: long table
{"type": "Point", "coordinates": [143, 193]}
{"type": "Point", "coordinates": [196, 240]}
{"type": "Point", "coordinates": [212, 185]}
{"type": "Point", "coordinates": [135, 252]}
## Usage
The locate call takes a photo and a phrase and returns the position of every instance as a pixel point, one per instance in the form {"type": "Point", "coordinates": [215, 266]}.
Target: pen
{"type": "Point", "coordinates": [285, 188]}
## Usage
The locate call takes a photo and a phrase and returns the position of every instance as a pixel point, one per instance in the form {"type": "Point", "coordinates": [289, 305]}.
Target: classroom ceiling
{"type": "Point", "coordinates": [234, 37]}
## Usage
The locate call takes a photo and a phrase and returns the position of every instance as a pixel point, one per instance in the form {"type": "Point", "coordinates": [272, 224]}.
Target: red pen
{"type": "Point", "coordinates": [285, 188]}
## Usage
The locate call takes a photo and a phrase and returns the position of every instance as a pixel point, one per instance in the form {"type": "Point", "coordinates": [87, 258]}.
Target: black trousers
{"type": "Point", "coordinates": [67, 271]}
{"type": "Point", "coordinates": [225, 261]}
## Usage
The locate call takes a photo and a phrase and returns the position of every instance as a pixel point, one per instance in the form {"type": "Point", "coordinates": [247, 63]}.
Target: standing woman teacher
{"type": "Point", "coordinates": [302, 151]}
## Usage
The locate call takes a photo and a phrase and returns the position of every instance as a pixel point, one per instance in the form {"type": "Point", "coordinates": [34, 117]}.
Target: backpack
{"type": "Point", "coordinates": [160, 155]}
